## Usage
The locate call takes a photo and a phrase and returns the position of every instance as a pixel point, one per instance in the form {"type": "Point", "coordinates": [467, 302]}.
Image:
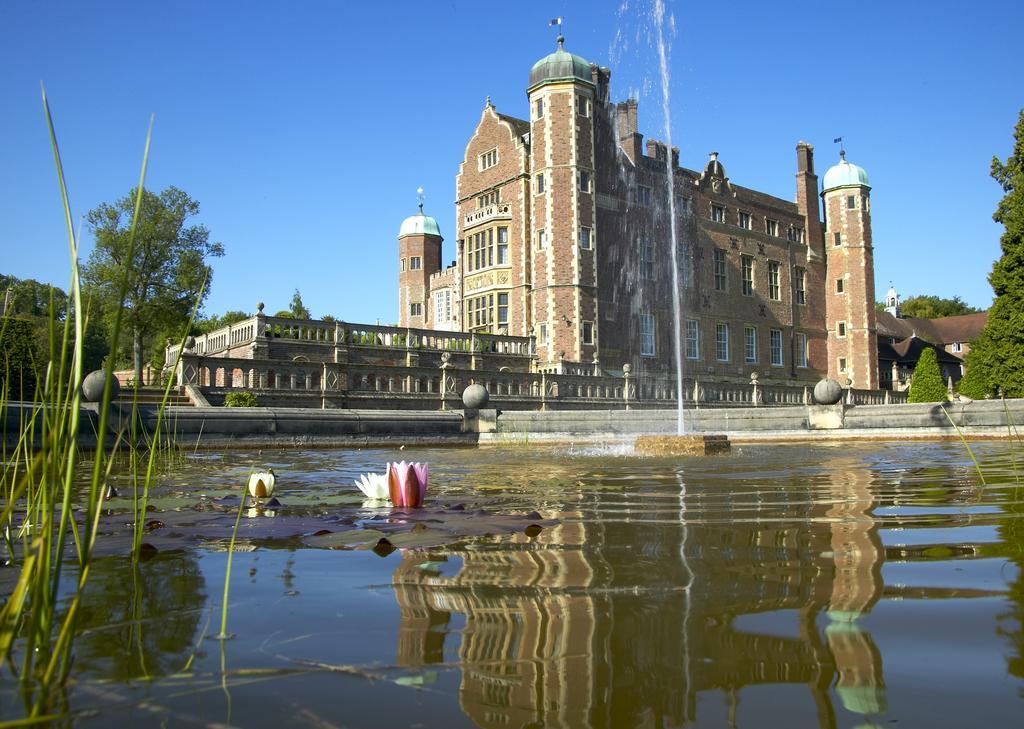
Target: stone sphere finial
{"type": "Point", "coordinates": [627, 368]}
{"type": "Point", "coordinates": [92, 386]}
{"type": "Point", "coordinates": [755, 376]}
{"type": "Point", "coordinates": [828, 392]}
{"type": "Point", "coordinates": [475, 397]}
{"type": "Point", "coordinates": [259, 307]}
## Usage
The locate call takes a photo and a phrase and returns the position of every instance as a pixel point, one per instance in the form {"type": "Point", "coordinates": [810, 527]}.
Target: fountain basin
{"type": "Point", "coordinates": [682, 445]}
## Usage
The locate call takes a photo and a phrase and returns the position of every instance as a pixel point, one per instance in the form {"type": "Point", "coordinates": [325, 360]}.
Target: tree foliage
{"type": "Point", "coordinates": [20, 362]}
{"type": "Point", "coordinates": [167, 272]}
{"type": "Point", "coordinates": [297, 308]}
{"type": "Point", "coordinates": [996, 358]}
{"type": "Point", "coordinates": [933, 307]}
{"type": "Point", "coordinates": [213, 323]}
{"type": "Point", "coordinates": [926, 385]}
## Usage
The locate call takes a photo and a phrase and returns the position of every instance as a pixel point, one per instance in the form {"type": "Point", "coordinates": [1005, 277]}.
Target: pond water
{"type": "Point", "coordinates": [781, 585]}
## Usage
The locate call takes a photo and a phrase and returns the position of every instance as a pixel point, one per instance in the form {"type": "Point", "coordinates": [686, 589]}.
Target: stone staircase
{"type": "Point", "coordinates": [153, 396]}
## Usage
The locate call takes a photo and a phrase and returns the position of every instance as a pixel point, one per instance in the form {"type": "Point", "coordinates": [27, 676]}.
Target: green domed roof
{"type": "Point", "coordinates": [560, 66]}
{"type": "Point", "coordinates": [419, 224]}
{"type": "Point", "coordinates": [844, 174]}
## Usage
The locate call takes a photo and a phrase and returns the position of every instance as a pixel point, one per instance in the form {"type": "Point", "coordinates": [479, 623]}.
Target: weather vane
{"type": "Point", "coordinates": [419, 194]}
{"type": "Point", "coordinates": [556, 22]}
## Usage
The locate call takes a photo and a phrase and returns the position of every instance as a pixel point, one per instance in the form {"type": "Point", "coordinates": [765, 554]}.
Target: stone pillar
{"type": "Point", "coordinates": [626, 368]}
{"type": "Point", "coordinates": [260, 345]}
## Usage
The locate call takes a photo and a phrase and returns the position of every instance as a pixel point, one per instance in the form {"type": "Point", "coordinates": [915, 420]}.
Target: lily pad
{"type": "Point", "coordinates": [346, 539]}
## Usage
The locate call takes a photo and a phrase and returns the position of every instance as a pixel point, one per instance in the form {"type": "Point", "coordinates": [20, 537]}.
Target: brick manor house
{"type": "Point", "coordinates": [562, 234]}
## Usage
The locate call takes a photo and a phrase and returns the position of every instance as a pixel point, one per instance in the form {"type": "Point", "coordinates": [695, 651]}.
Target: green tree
{"type": "Point", "coordinates": [297, 308]}
{"type": "Point", "coordinates": [167, 272]}
{"type": "Point", "coordinates": [20, 362]}
{"type": "Point", "coordinates": [996, 358]}
{"type": "Point", "coordinates": [926, 385]}
{"type": "Point", "coordinates": [213, 323]}
{"type": "Point", "coordinates": [933, 307]}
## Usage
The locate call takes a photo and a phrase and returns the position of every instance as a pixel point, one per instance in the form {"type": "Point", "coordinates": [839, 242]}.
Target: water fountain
{"type": "Point", "coordinates": [680, 444]}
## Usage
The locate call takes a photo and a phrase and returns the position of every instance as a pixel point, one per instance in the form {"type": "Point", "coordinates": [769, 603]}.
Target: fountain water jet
{"type": "Point", "coordinates": [679, 444]}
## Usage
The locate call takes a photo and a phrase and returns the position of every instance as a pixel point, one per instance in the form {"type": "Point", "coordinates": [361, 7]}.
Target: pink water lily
{"type": "Point", "coordinates": [407, 484]}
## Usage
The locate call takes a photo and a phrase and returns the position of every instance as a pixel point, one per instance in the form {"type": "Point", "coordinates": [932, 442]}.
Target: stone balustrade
{"type": "Point", "coordinates": [499, 211]}
{"type": "Point", "coordinates": [307, 332]}
{"type": "Point", "coordinates": [348, 384]}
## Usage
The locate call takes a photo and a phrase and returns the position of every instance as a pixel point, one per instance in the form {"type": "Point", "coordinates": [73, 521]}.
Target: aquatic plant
{"type": "Point", "coordinates": [374, 486]}
{"type": "Point", "coordinates": [407, 484]}
{"type": "Point", "coordinates": [261, 484]}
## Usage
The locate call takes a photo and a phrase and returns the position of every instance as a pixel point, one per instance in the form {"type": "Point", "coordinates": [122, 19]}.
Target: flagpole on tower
{"type": "Point", "coordinates": [842, 148]}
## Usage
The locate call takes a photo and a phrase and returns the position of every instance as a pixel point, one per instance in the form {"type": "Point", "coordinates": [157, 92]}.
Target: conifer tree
{"type": "Point", "coordinates": [926, 385]}
{"type": "Point", "coordinates": [996, 358]}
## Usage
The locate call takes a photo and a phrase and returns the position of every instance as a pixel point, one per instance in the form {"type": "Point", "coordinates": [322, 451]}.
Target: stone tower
{"type": "Point", "coordinates": [892, 302]}
{"type": "Point", "coordinates": [419, 256]}
{"type": "Point", "coordinates": [850, 276]}
{"type": "Point", "coordinates": [564, 236]}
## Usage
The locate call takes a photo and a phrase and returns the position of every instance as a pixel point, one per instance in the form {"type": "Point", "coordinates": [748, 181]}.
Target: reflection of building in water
{"type": "Point", "coordinates": [527, 646]}
{"type": "Point", "coordinates": [590, 626]}
{"type": "Point", "coordinates": [857, 554]}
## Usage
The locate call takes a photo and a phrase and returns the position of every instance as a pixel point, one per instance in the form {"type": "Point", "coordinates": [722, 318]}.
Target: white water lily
{"type": "Point", "coordinates": [261, 484]}
{"type": "Point", "coordinates": [374, 486]}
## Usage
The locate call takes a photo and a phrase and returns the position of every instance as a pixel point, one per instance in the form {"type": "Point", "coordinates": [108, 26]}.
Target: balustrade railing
{"type": "Point", "coordinates": [490, 212]}
{"type": "Point", "coordinates": [343, 334]}
{"type": "Point", "coordinates": [442, 386]}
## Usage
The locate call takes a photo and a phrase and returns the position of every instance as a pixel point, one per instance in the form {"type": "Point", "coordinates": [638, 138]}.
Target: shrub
{"type": "Point", "coordinates": [973, 386]}
{"type": "Point", "coordinates": [926, 386]}
{"type": "Point", "coordinates": [241, 399]}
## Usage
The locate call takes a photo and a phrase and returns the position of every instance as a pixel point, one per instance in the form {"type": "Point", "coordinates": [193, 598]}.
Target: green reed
{"type": "Point", "coordinates": [37, 626]}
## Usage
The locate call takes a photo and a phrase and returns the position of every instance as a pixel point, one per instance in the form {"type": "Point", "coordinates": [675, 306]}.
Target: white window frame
{"type": "Point", "coordinates": [840, 330]}
{"type": "Point", "coordinates": [538, 108]}
{"type": "Point", "coordinates": [489, 159]}
{"type": "Point", "coordinates": [719, 257]}
{"type": "Point", "coordinates": [587, 326]}
{"type": "Point", "coordinates": [542, 333]}
{"type": "Point", "coordinates": [415, 263]}
{"type": "Point", "coordinates": [840, 286]}
{"type": "Point", "coordinates": [774, 280]}
{"type": "Point", "coordinates": [416, 308]}
{"type": "Point", "coordinates": [538, 184]}
{"type": "Point", "coordinates": [586, 237]}
{"type": "Point", "coordinates": [747, 284]}
{"type": "Point", "coordinates": [801, 286]}
{"type": "Point", "coordinates": [501, 247]}
{"type": "Point", "coordinates": [647, 259]}
{"type": "Point", "coordinates": [750, 344]}
{"type": "Point", "coordinates": [648, 338]}
{"type": "Point", "coordinates": [801, 350]}
{"type": "Point", "coordinates": [721, 341]}
{"type": "Point", "coordinates": [500, 306]}
{"type": "Point", "coordinates": [583, 106]}
{"type": "Point", "coordinates": [744, 220]}
{"type": "Point", "coordinates": [542, 239]}
{"type": "Point", "coordinates": [717, 213]}
{"type": "Point", "coordinates": [692, 338]}
{"type": "Point", "coordinates": [584, 180]}
{"type": "Point", "coordinates": [775, 347]}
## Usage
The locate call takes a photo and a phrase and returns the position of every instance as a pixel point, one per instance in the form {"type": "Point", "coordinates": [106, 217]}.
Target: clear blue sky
{"type": "Point", "coordinates": [304, 128]}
